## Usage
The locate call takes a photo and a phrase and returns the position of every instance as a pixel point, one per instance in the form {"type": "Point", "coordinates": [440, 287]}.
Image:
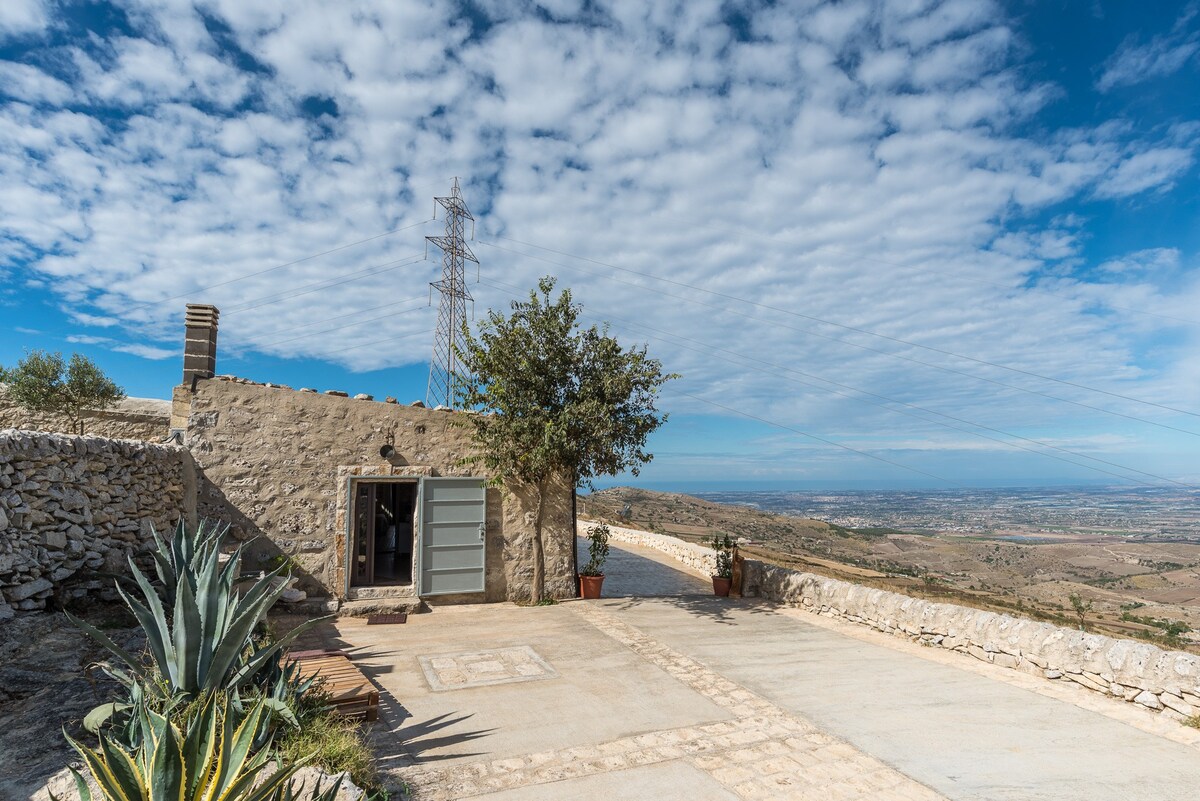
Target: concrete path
{"type": "Point", "coordinates": [696, 697]}
{"type": "Point", "coordinates": [637, 571]}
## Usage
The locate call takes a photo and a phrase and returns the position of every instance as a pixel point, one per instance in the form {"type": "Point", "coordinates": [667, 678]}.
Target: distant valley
{"type": "Point", "coordinates": [1133, 555]}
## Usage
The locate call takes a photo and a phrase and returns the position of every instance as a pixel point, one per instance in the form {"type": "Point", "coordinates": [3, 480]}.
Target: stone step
{"type": "Point", "coordinates": [375, 606]}
{"type": "Point", "coordinates": [401, 591]}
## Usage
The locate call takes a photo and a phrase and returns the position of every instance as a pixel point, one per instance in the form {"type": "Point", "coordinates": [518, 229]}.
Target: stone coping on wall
{"type": "Point", "coordinates": [1137, 672]}
{"type": "Point", "coordinates": [333, 393]}
{"type": "Point", "coordinates": [694, 556]}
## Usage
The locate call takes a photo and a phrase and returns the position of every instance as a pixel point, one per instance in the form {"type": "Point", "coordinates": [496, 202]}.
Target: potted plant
{"type": "Point", "coordinates": [722, 579]}
{"type": "Point", "coordinates": [591, 578]}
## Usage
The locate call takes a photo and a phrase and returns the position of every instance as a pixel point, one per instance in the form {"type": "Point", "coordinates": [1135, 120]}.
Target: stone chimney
{"type": "Point", "coordinates": [199, 361]}
{"type": "Point", "coordinates": [200, 343]}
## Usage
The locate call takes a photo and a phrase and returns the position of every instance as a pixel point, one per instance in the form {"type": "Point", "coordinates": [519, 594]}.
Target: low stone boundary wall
{"type": "Point", "coordinates": [71, 506]}
{"type": "Point", "coordinates": [694, 556]}
{"type": "Point", "coordinates": [133, 418]}
{"type": "Point", "coordinates": [1137, 672]}
{"type": "Point", "coordinates": [1141, 673]}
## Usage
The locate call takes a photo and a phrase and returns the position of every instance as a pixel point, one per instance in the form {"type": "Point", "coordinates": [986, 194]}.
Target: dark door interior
{"type": "Point", "coordinates": [384, 515]}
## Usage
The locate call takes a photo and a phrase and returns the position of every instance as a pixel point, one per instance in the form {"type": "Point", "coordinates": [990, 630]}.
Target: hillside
{"type": "Point", "coordinates": [1147, 590]}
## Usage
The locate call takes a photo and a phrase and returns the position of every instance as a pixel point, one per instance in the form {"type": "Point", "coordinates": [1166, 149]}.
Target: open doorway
{"type": "Point", "coordinates": [384, 533]}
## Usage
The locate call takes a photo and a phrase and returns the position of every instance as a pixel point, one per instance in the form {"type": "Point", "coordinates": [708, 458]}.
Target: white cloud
{"type": "Point", "coordinates": [1163, 55]}
{"type": "Point", "coordinates": [147, 351]}
{"type": "Point", "coordinates": [18, 17]}
{"type": "Point", "coordinates": [32, 85]}
{"type": "Point", "coordinates": [866, 163]}
{"type": "Point", "coordinates": [1149, 169]}
{"type": "Point", "coordinates": [140, 349]}
{"type": "Point", "coordinates": [1152, 260]}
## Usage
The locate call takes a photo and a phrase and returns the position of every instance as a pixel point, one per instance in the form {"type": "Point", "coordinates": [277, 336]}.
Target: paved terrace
{"type": "Point", "coordinates": [660, 691]}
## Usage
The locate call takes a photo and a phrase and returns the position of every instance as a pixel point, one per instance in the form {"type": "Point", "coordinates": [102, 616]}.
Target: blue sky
{"type": "Point", "coordinates": [885, 243]}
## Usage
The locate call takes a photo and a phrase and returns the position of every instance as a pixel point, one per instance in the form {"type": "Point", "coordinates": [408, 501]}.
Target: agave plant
{"type": "Point", "coordinates": [178, 557]}
{"type": "Point", "coordinates": [211, 759]}
{"type": "Point", "coordinates": [204, 643]}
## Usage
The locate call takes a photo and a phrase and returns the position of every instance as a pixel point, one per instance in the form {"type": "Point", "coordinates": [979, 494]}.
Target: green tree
{"type": "Point", "coordinates": [556, 401]}
{"type": "Point", "coordinates": [1081, 608]}
{"type": "Point", "coordinates": [46, 383]}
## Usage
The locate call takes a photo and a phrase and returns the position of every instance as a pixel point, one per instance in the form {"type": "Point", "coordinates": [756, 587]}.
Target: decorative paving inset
{"type": "Point", "coordinates": [484, 668]}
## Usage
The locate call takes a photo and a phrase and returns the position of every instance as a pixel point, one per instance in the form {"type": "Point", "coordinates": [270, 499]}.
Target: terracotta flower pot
{"type": "Point", "coordinates": [721, 586]}
{"type": "Point", "coordinates": [589, 586]}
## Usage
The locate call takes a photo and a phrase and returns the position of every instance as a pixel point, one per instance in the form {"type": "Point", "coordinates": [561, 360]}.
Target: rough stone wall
{"type": "Point", "coordinates": [694, 556]}
{"type": "Point", "coordinates": [1137, 672]}
{"type": "Point", "coordinates": [134, 418]}
{"type": "Point", "coordinates": [70, 506]}
{"type": "Point", "coordinates": [276, 464]}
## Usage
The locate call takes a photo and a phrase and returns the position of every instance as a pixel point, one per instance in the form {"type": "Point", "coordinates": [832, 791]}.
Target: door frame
{"type": "Point", "coordinates": [348, 489]}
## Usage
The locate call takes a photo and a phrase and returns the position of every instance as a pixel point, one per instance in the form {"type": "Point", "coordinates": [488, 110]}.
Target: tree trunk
{"type": "Point", "coordinates": [538, 583]}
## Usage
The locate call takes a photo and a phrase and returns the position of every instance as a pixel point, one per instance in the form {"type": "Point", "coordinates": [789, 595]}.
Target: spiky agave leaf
{"type": "Point", "coordinates": [81, 787]}
{"type": "Point", "coordinates": [213, 759]}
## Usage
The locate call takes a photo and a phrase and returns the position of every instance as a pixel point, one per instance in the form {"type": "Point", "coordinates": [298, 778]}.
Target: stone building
{"type": "Point", "coordinates": [374, 505]}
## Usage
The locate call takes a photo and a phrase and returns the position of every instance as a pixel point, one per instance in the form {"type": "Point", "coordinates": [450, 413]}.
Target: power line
{"type": "Point", "coordinates": [926, 270]}
{"type": "Point", "coordinates": [707, 350]}
{"type": "Point", "coordinates": [378, 342]}
{"type": "Point", "coordinates": [307, 289]}
{"type": "Point", "coordinates": [727, 310]}
{"type": "Point", "coordinates": [354, 313]}
{"type": "Point", "coordinates": [855, 329]}
{"type": "Point", "coordinates": [819, 439]}
{"type": "Point", "coordinates": [197, 291]}
{"type": "Point", "coordinates": [388, 316]}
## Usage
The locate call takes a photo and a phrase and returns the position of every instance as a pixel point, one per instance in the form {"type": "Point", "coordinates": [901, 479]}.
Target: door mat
{"type": "Point", "coordinates": [381, 620]}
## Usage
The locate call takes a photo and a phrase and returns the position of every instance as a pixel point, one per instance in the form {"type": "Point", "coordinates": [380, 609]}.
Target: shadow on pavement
{"type": "Point", "coordinates": [718, 610]}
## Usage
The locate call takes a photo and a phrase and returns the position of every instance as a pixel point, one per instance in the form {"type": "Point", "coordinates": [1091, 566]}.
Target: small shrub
{"type": "Point", "coordinates": [333, 744]}
{"type": "Point", "coordinates": [597, 550]}
{"type": "Point", "coordinates": [724, 559]}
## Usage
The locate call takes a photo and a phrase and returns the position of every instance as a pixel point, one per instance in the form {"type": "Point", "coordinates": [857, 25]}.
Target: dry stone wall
{"type": "Point", "coordinates": [1133, 671]}
{"type": "Point", "coordinates": [134, 418]}
{"type": "Point", "coordinates": [694, 556]}
{"type": "Point", "coordinates": [1141, 673]}
{"type": "Point", "coordinates": [71, 506]}
{"type": "Point", "coordinates": [277, 462]}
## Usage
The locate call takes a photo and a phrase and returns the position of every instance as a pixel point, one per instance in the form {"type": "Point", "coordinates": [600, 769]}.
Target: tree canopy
{"type": "Point", "coordinates": [47, 383]}
{"type": "Point", "coordinates": [556, 399]}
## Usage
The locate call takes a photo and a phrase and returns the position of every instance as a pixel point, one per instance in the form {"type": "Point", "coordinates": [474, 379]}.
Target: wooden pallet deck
{"type": "Point", "coordinates": [350, 692]}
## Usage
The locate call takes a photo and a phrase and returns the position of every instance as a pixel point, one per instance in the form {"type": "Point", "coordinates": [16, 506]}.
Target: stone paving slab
{"type": "Point", "coordinates": [600, 691]}
{"type": "Point", "coordinates": [762, 753]}
{"type": "Point", "coordinates": [733, 699]}
{"type": "Point", "coordinates": [959, 732]}
{"type": "Point", "coordinates": [637, 571]}
{"type": "Point", "coordinates": [666, 781]}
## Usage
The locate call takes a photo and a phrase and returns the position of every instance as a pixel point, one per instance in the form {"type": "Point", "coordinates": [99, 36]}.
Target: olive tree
{"type": "Point", "coordinates": [46, 383]}
{"type": "Point", "coordinates": [555, 400]}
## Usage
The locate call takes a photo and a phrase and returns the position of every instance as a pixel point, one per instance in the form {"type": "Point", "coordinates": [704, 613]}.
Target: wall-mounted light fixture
{"type": "Point", "coordinates": [388, 450]}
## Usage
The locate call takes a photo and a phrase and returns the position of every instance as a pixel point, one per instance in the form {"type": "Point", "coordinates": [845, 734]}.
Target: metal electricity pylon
{"type": "Point", "coordinates": [452, 309]}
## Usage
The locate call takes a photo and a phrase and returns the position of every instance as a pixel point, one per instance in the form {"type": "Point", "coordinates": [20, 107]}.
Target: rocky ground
{"type": "Point", "coordinates": [48, 682]}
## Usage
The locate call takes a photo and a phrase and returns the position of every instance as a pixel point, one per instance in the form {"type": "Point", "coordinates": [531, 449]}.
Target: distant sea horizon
{"type": "Point", "coordinates": [864, 485]}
